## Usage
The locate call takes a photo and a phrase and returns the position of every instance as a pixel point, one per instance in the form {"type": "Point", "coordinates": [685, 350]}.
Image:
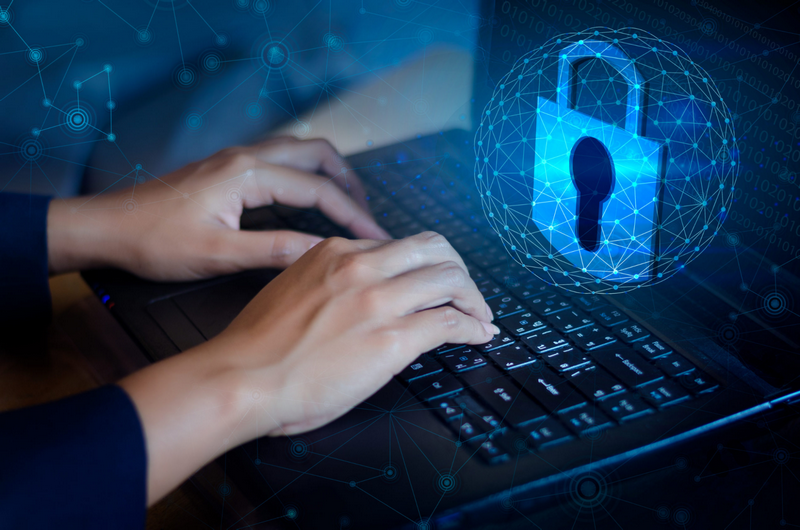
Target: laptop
{"type": "Point", "coordinates": [576, 387]}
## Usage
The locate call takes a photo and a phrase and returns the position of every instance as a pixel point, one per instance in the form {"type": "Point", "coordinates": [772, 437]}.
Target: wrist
{"type": "Point", "coordinates": [193, 408]}
{"type": "Point", "coordinates": [75, 241]}
{"type": "Point", "coordinates": [254, 392]}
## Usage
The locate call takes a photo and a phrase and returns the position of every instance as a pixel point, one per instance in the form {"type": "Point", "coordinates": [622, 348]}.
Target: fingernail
{"type": "Point", "coordinates": [489, 312]}
{"type": "Point", "coordinates": [491, 329]}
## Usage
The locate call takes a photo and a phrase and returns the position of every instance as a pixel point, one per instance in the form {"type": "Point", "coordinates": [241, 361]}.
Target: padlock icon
{"type": "Point", "coordinates": [598, 188]}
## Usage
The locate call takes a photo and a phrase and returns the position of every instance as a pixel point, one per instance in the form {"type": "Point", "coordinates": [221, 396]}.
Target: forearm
{"type": "Point", "coordinates": [192, 410]}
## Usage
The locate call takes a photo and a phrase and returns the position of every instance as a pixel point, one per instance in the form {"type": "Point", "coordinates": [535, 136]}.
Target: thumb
{"type": "Point", "coordinates": [275, 249]}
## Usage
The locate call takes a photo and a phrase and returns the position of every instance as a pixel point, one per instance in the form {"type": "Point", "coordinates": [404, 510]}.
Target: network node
{"type": "Point", "coordinates": [275, 55]}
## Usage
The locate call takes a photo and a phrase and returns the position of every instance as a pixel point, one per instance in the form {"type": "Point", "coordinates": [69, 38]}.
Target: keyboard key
{"type": "Point", "coordinates": [469, 242]}
{"type": "Point", "coordinates": [447, 409]}
{"type": "Point", "coordinates": [595, 382]}
{"type": "Point", "coordinates": [569, 320]}
{"type": "Point", "coordinates": [652, 348]}
{"type": "Point", "coordinates": [491, 453]}
{"type": "Point", "coordinates": [698, 383]}
{"type": "Point", "coordinates": [510, 403]}
{"type": "Point", "coordinates": [549, 303]}
{"type": "Point", "coordinates": [500, 340]}
{"type": "Point", "coordinates": [627, 365]}
{"type": "Point", "coordinates": [430, 388]}
{"type": "Point", "coordinates": [481, 376]}
{"type": "Point", "coordinates": [467, 430]}
{"type": "Point", "coordinates": [609, 316]}
{"type": "Point", "coordinates": [406, 230]}
{"type": "Point", "coordinates": [513, 357]}
{"type": "Point", "coordinates": [565, 359]}
{"type": "Point", "coordinates": [503, 306]}
{"type": "Point", "coordinates": [488, 422]}
{"type": "Point", "coordinates": [588, 302]}
{"type": "Point", "coordinates": [625, 407]}
{"type": "Point", "coordinates": [592, 338]}
{"type": "Point", "coordinates": [555, 393]}
{"type": "Point", "coordinates": [475, 273]}
{"type": "Point", "coordinates": [544, 340]}
{"type": "Point", "coordinates": [422, 367]}
{"type": "Point", "coordinates": [631, 333]}
{"type": "Point", "coordinates": [523, 323]}
{"type": "Point", "coordinates": [460, 360]}
{"type": "Point", "coordinates": [586, 420]}
{"type": "Point", "coordinates": [530, 288]}
{"type": "Point", "coordinates": [548, 433]}
{"type": "Point", "coordinates": [674, 365]}
{"type": "Point", "coordinates": [507, 273]}
{"type": "Point", "coordinates": [467, 402]}
{"type": "Point", "coordinates": [391, 218]}
{"type": "Point", "coordinates": [664, 393]}
{"type": "Point", "coordinates": [445, 348]}
{"type": "Point", "coordinates": [453, 229]}
{"type": "Point", "coordinates": [489, 289]}
{"type": "Point", "coordinates": [487, 260]}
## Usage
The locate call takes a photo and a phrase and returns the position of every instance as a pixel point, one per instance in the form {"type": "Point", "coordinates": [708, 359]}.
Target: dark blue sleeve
{"type": "Point", "coordinates": [24, 291]}
{"type": "Point", "coordinates": [77, 463]}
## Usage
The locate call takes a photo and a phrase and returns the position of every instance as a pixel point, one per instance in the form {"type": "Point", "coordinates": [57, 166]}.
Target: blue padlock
{"type": "Point", "coordinates": [608, 229]}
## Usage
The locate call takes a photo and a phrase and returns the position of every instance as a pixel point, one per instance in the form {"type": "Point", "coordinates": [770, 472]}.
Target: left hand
{"type": "Point", "coordinates": [185, 225]}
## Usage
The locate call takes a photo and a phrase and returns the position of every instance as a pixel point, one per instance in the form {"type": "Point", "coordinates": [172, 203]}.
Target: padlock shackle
{"type": "Point", "coordinates": [573, 55]}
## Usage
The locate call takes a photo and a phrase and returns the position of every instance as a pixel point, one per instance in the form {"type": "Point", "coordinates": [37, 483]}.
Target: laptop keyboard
{"type": "Point", "coordinates": [564, 365]}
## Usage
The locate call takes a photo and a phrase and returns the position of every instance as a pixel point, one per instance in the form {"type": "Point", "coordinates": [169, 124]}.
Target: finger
{"type": "Point", "coordinates": [292, 187]}
{"type": "Point", "coordinates": [274, 249]}
{"type": "Point", "coordinates": [414, 252]}
{"type": "Point", "coordinates": [431, 328]}
{"type": "Point", "coordinates": [313, 156]}
{"type": "Point", "coordinates": [421, 289]}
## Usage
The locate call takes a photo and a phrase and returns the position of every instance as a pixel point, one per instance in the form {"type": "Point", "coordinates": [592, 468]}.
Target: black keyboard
{"type": "Point", "coordinates": [565, 365]}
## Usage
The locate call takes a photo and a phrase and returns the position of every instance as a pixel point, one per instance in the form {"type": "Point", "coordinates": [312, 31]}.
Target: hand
{"type": "Point", "coordinates": [185, 225]}
{"type": "Point", "coordinates": [319, 339]}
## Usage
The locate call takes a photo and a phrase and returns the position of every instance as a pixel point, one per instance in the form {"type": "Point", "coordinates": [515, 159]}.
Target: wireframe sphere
{"type": "Point", "coordinates": [667, 133]}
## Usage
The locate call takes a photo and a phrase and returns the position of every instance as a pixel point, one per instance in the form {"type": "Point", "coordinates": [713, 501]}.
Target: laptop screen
{"type": "Point", "coordinates": [742, 292]}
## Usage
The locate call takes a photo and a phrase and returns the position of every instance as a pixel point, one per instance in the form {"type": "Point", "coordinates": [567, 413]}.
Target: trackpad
{"type": "Point", "coordinates": [212, 308]}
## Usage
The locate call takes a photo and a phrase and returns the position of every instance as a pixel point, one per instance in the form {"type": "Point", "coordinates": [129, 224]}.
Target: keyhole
{"type": "Point", "coordinates": [593, 174]}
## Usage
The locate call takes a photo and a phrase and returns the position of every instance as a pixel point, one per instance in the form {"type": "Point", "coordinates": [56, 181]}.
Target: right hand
{"type": "Point", "coordinates": [319, 339]}
{"type": "Point", "coordinates": [347, 316]}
